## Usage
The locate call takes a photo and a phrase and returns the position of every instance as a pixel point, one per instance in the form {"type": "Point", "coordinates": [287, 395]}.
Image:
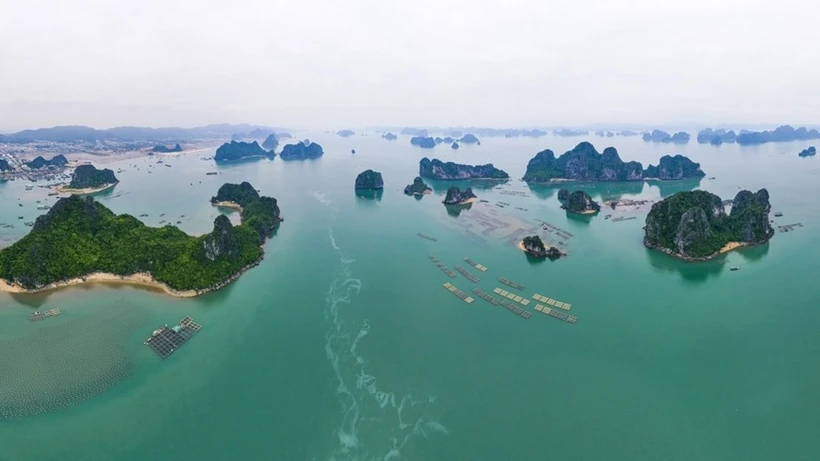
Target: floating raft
{"type": "Point", "coordinates": [44, 315]}
{"type": "Point", "coordinates": [165, 341]}
{"type": "Point", "coordinates": [475, 264]}
{"type": "Point", "coordinates": [556, 313]}
{"type": "Point", "coordinates": [466, 274]}
{"type": "Point", "coordinates": [552, 302]}
{"type": "Point", "coordinates": [486, 297]}
{"type": "Point", "coordinates": [789, 227]}
{"type": "Point", "coordinates": [623, 218]}
{"type": "Point", "coordinates": [511, 296]}
{"type": "Point", "coordinates": [441, 266]}
{"type": "Point", "coordinates": [452, 289]}
{"type": "Point", "coordinates": [509, 282]}
{"type": "Point", "coordinates": [427, 237]}
{"type": "Point", "coordinates": [515, 309]}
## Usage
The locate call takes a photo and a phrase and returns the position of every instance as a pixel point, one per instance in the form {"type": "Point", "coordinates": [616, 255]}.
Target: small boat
{"type": "Point", "coordinates": [778, 214]}
{"type": "Point", "coordinates": [734, 268]}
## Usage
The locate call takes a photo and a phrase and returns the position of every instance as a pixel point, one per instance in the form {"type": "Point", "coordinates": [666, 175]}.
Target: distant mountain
{"type": "Point", "coordinates": [414, 132]}
{"type": "Point", "coordinates": [163, 149]}
{"type": "Point", "coordinates": [783, 133]}
{"type": "Point", "coordinates": [58, 161]}
{"type": "Point", "coordinates": [716, 137]}
{"type": "Point", "coordinates": [233, 151]}
{"type": "Point", "coordinates": [131, 133]}
{"type": "Point", "coordinates": [389, 136]}
{"type": "Point", "coordinates": [345, 133]}
{"type": "Point", "coordinates": [259, 133]}
{"type": "Point", "coordinates": [680, 137]}
{"type": "Point", "coordinates": [565, 132]}
{"type": "Point", "coordinates": [423, 142]}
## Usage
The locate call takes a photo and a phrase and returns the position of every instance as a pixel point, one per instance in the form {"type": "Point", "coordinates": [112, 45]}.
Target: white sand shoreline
{"type": "Point", "coordinates": [92, 190]}
{"type": "Point", "coordinates": [143, 279]}
{"type": "Point", "coordinates": [227, 204]}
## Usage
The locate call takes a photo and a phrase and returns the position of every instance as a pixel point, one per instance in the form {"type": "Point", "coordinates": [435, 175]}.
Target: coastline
{"type": "Point", "coordinates": [227, 204]}
{"type": "Point", "coordinates": [463, 202]}
{"type": "Point", "coordinates": [726, 248]}
{"type": "Point", "coordinates": [91, 190]}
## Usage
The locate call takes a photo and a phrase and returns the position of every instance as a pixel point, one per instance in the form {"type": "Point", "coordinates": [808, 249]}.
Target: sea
{"type": "Point", "coordinates": [345, 345]}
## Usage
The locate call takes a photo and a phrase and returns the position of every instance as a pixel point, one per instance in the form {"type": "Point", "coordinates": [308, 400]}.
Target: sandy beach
{"type": "Point", "coordinates": [731, 246]}
{"type": "Point", "coordinates": [139, 279]}
{"type": "Point", "coordinates": [227, 204]}
{"type": "Point", "coordinates": [464, 202]}
{"type": "Point", "coordinates": [66, 190]}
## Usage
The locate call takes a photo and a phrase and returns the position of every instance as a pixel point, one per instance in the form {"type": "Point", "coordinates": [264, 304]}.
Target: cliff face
{"type": "Point", "coordinates": [677, 167]}
{"type": "Point", "coordinates": [88, 177]}
{"type": "Point", "coordinates": [271, 142]}
{"type": "Point", "coordinates": [437, 169]}
{"type": "Point", "coordinates": [237, 150]}
{"type": "Point", "coordinates": [369, 179]}
{"type": "Point", "coordinates": [222, 241]}
{"type": "Point", "coordinates": [455, 196]}
{"type": "Point", "coordinates": [423, 142]}
{"type": "Point", "coordinates": [418, 187]}
{"type": "Point", "coordinates": [301, 151]}
{"type": "Point", "coordinates": [58, 161]}
{"type": "Point", "coordinates": [583, 163]}
{"type": "Point", "coordinates": [535, 248]}
{"type": "Point", "coordinates": [694, 225]}
{"type": "Point", "coordinates": [578, 202]}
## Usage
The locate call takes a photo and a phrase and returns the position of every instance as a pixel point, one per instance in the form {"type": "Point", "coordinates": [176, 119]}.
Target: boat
{"type": "Point", "coordinates": [778, 214]}
{"type": "Point", "coordinates": [734, 268]}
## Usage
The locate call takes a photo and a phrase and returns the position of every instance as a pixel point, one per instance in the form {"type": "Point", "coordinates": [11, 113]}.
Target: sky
{"type": "Point", "coordinates": [331, 65]}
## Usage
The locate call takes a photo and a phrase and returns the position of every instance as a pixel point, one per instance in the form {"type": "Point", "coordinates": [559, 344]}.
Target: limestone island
{"type": "Point", "coordinates": [533, 246]}
{"type": "Point", "coordinates": [584, 163]}
{"type": "Point", "coordinates": [456, 197]}
{"type": "Point", "coordinates": [271, 142]}
{"type": "Point", "coordinates": [301, 151]}
{"type": "Point", "coordinates": [418, 188]}
{"type": "Point", "coordinates": [345, 133]}
{"type": "Point", "coordinates": [57, 162]}
{"type": "Point", "coordinates": [239, 150]}
{"type": "Point", "coordinates": [578, 202]}
{"type": "Point", "coordinates": [163, 149]}
{"type": "Point", "coordinates": [809, 152]}
{"type": "Point", "coordinates": [454, 145]}
{"type": "Point", "coordinates": [79, 240]}
{"type": "Point", "coordinates": [469, 139]}
{"type": "Point", "coordinates": [369, 180]}
{"type": "Point", "coordinates": [436, 169]}
{"type": "Point", "coordinates": [87, 179]}
{"type": "Point", "coordinates": [695, 227]}
{"type": "Point", "coordinates": [423, 142]}
{"type": "Point", "coordinates": [681, 137]}
{"type": "Point", "coordinates": [389, 136]}
{"type": "Point", "coordinates": [235, 196]}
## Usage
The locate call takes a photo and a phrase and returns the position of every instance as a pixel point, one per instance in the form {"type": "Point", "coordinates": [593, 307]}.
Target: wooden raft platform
{"type": "Point", "coordinates": [37, 315]}
{"type": "Point", "coordinates": [552, 302]}
{"type": "Point", "coordinates": [486, 297]}
{"type": "Point", "coordinates": [165, 341]}
{"type": "Point", "coordinates": [475, 264]}
{"type": "Point", "coordinates": [556, 314]}
{"type": "Point", "coordinates": [466, 274]}
{"type": "Point", "coordinates": [515, 309]}
{"type": "Point", "coordinates": [427, 237]}
{"type": "Point", "coordinates": [511, 296]}
{"type": "Point", "coordinates": [509, 282]}
{"type": "Point", "coordinates": [441, 266]}
{"type": "Point", "coordinates": [789, 227]}
{"type": "Point", "coordinates": [452, 289]}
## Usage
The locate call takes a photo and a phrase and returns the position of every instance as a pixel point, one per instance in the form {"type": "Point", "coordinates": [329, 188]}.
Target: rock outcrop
{"type": "Point", "coordinates": [535, 248]}
{"type": "Point", "coordinates": [89, 177]}
{"type": "Point", "coordinates": [163, 149]}
{"type": "Point", "coordinates": [345, 133]}
{"type": "Point", "coordinates": [716, 137]}
{"type": "Point", "coordinates": [436, 169]}
{"type": "Point", "coordinates": [58, 161]}
{"type": "Point", "coordinates": [389, 136]}
{"type": "Point", "coordinates": [271, 142]}
{"type": "Point", "coordinates": [301, 151]}
{"type": "Point", "coordinates": [583, 163]}
{"type": "Point", "coordinates": [680, 137]}
{"type": "Point", "coordinates": [469, 139]}
{"type": "Point", "coordinates": [418, 188]}
{"type": "Point", "coordinates": [578, 202]}
{"type": "Point", "coordinates": [455, 196]}
{"type": "Point", "coordinates": [369, 180]}
{"type": "Point", "coordinates": [238, 150]}
{"type": "Point", "coordinates": [240, 194]}
{"type": "Point", "coordinates": [4, 165]}
{"type": "Point", "coordinates": [454, 145]}
{"type": "Point", "coordinates": [222, 241]}
{"type": "Point", "coordinates": [671, 168]}
{"type": "Point", "coordinates": [808, 152]}
{"type": "Point", "coordinates": [423, 142]}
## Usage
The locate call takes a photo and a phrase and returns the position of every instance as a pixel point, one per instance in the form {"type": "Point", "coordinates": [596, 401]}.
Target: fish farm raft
{"type": "Point", "coordinates": [37, 315]}
{"type": "Point", "coordinates": [466, 274]}
{"type": "Point", "coordinates": [165, 341]}
{"type": "Point", "coordinates": [509, 282]}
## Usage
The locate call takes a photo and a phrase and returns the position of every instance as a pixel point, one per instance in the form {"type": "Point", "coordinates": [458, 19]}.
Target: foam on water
{"type": "Point", "coordinates": [373, 423]}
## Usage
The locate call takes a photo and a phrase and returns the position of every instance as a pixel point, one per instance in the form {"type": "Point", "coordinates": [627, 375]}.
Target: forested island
{"type": "Point", "coordinates": [239, 150]}
{"type": "Point", "coordinates": [680, 137]}
{"type": "Point", "coordinates": [87, 179]}
{"type": "Point", "coordinates": [578, 202]}
{"type": "Point", "coordinates": [163, 149]}
{"type": "Point", "coordinates": [783, 133]}
{"type": "Point", "coordinates": [456, 196]}
{"type": "Point", "coordinates": [694, 225]}
{"type": "Point", "coordinates": [584, 163]}
{"type": "Point", "coordinates": [423, 142]}
{"type": "Point", "coordinates": [436, 169]}
{"type": "Point", "coordinates": [301, 151]}
{"type": "Point", "coordinates": [716, 137]}
{"type": "Point", "coordinates": [810, 151]}
{"type": "Point", "coordinates": [369, 180]}
{"type": "Point", "coordinates": [58, 161]}
{"type": "Point", "coordinates": [534, 247]}
{"type": "Point", "coordinates": [418, 188]}
{"type": "Point", "coordinates": [81, 240]}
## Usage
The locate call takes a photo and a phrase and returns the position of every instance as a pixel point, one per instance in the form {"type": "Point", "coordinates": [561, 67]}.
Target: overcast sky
{"type": "Point", "coordinates": [335, 64]}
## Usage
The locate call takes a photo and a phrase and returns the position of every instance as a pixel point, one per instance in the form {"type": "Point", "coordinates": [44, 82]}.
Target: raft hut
{"type": "Point", "coordinates": [37, 315]}
{"type": "Point", "coordinates": [165, 341]}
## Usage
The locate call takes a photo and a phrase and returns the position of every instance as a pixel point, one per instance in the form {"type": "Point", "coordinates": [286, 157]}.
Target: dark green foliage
{"type": "Point", "coordinates": [237, 150]}
{"type": "Point", "coordinates": [79, 236]}
{"type": "Point", "coordinates": [456, 196]}
{"type": "Point", "coordinates": [563, 195]}
{"type": "Point", "coordinates": [582, 163]}
{"type": "Point", "coordinates": [163, 149]}
{"type": "Point", "coordinates": [417, 188]}
{"type": "Point", "coordinates": [271, 142]}
{"type": "Point", "coordinates": [535, 248]}
{"type": "Point", "coordinates": [301, 151]}
{"type": "Point", "coordinates": [241, 194]}
{"type": "Point", "coordinates": [89, 177]}
{"type": "Point", "coordinates": [578, 202]}
{"type": "Point", "coordinates": [694, 224]}
{"type": "Point", "coordinates": [58, 161]}
{"type": "Point", "coordinates": [423, 142]}
{"type": "Point", "coordinates": [437, 169]}
{"type": "Point", "coordinates": [677, 167]}
{"type": "Point", "coordinates": [369, 179]}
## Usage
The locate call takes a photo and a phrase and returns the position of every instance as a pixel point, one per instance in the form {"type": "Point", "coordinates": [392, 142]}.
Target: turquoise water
{"type": "Point", "coordinates": [343, 345]}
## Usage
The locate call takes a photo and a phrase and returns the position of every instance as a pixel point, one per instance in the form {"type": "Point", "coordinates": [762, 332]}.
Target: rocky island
{"type": "Point", "coordinates": [345, 133]}
{"type": "Point", "coordinates": [584, 163]}
{"type": "Point", "coordinates": [469, 139]}
{"type": "Point", "coordinates": [436, 169]}
{"type": "Point", "coordinates": [271, 142]}
{"type": "Point", "coordinates": [809, 152]}
{"type": "Point", "coordinates": [302, 151]}
{"type": "Point", "coordinates": [694, 225]}
{"type": "Point", "coordinates": [389, 136]}
{"type": "Point", "coordinates": [163, 149]}
{"type": "Point", "coordinates": [86, 179]}
{"type": "Point", "coordinates": [680, 137]}
{"type": "Point", "coordinates": [454, 145]}
{"type": "Point", "coordinates": [235, 195]}
{"type": "Point", "coordinates": [578, 202]}
{"type": "Point", "coordinates": [369, 180]}
{"type": "Point", "coordinates": [418, 188]}
{"type": "Point", "coordinates": [716, 137]}
{"type": "Point", "coordinates": [58, 161]}
{"type": "Point", "coordinates": [456, 197]}
{"type": "Point", "coordinates": [423, 142]}
{"type": "Point", "coordinates": [534, 247]}
{"type": "Point", "coordinates": [239, 150]}
{"type": "Point", "coordinates": [785, 133]}
{"type": "Point", "coordinates": [80, 240]}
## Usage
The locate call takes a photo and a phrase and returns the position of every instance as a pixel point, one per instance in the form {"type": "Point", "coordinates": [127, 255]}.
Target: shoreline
{"type": "Point", "coordinates": [463, 202]}
{"type": "Point", "coordinates": [90, 190]}
{"type": "Point", "coordinates": [725, 249]}
{"type": "Point", "coordinates": [227, 204]}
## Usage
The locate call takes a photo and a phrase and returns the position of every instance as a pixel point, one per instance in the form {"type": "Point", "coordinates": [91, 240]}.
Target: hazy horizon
{"type": "Point", "coordinates": [321, 65]}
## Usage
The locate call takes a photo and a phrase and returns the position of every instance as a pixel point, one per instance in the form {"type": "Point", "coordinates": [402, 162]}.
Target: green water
{"type": "Point", "coordinates": [342, 344]}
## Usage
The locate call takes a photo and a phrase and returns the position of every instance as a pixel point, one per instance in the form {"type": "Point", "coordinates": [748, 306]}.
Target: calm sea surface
{"type": "Point", "coordinates": [343, 345]}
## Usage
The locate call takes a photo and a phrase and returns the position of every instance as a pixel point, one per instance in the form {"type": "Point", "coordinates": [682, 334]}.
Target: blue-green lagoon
{"type": "Point", "coordinates": [343, 344]}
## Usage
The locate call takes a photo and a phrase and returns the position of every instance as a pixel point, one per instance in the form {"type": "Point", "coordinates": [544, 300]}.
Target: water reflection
{"type": "Point", "coordinates": [440, 187]}
{"type": "Point", "coordinates": [668, 188]}
{"type": "Point", "coordinates": [695, 272]}
{"type": "Point", "coordinates": [369, 195]}
{"type": "Point", "coordinates": [754, 253]}
{"type": "Point", "coordinates": [455, 210]}
{"type": "Point", "coordinates": [584, 219]}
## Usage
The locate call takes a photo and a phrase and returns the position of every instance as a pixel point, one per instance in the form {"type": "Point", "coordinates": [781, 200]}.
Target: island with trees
{"type": "Point", "coordinates": [680, 137]}
{"type": "Point", "coordinates": [302, 151]}
{"type": "Point", "coordinates": [584, 163]}
{"type": "Point", "coordinates": [87, 179]}
{"type": "Point", "coordinates": [578, 202]}
{"type": "Point", "coordinates": [163, 149]}
{"type": "Point", "coordinates": [369, 180]}
{"type": "Point", "coordinates": [57, 162]}
{"type": "Point", "coordinates": [694, 225]}
{"type": "Point", "coordinates": [436, 169]}
{"type": "Point", "coordinates": [239, 150]}
{"type": "Point", "coordinates": [271, 142]}
{"type": "Point", "coordinates": [456, 196]}
{"type": "Point", "coordinates": [785, 133]}
{"type": "Point", "coordinates": [534, 247]}
{"type": "Point", "coordinates": [716, 137]}
{"type": "Point", "coordinates": [389, 136]}
{"type": "Point", "coordinates": [810, 151]}
{"type": "Point", "coordinates": [418, 188]}
{"type": "Point", "coordinates": [423, 142]}
{"type": "Point", "coordinates": [469, 139]}
{"type": "Point", "coordinates": [80, 240]}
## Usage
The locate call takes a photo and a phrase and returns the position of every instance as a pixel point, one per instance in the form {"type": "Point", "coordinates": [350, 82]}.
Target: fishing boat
{"type": "Point", "coordinates": [734, 268]}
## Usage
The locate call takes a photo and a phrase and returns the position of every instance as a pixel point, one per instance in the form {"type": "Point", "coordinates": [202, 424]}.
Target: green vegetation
{"type": "Point", "coordinates": [241, 194]}
{"type": "Point", "coordinates": [369, 179]}
{"type": "Point", "coordinates": [577, 202]}
{"type": "Point", "coordinates": [89, 177]}
{"type": "Point", "coordinates": [418, 187]}
{"type": "Point", "coordinates": [301, 151]}
{"type": "Point", "coordinates": [238, 150]}
{"type": "Point", "coordinates": [583, 163]}
{"type": "Point", "coordinates": [671, 168]}
{"type": "Point", "coordinates": [437, 169]}
{"type": "Point", "coordinates": [536, 248]}
{"type": "Point", "coordinates": [79, 236]}
{"type": "Point", "coordinates": [694, 225]}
